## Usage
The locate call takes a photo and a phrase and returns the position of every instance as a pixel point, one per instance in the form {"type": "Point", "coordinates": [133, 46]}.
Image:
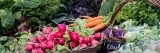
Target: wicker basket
{"type": "Point", "coordinates": [156, 3]}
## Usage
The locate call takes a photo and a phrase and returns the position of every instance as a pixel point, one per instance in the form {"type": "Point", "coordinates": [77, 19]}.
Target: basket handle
{"type": "Point", "coordinates": [118, 8]}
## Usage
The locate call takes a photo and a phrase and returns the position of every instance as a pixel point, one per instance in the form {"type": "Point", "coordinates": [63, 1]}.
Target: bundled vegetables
{"type": "Point", "coordinates": [61, 40]}
{"type": "Point", "coordinates": [97, 23]}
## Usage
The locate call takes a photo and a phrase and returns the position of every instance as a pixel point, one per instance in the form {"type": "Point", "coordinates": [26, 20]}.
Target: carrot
{"type": "Point", "coordinates": [100, 17]}
{"type": "Point", "coordinates": [86, 17]}
{"type": "Point", "coordinates": [99, 27]}
{"type": "Point", "coordinates": [71, 25]}
{"type": "Point", "coordinates": [91, 19]}
{"type": "Point", "coordinates": [96, 18]}
{"type": "Point", "coordinates": [92, 24]}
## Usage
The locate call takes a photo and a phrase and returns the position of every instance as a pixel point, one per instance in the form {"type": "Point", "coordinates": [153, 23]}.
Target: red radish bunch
{"type": "Point", "coordinates": [58, 34]}
{"type": "Point", "coordinates": [29, 47]}
{"type": "Point", "coordinates": [41, 37]}
{"type": "Point", "coordinates": [61, 41]}
{"type": "Point", "coordinates": [83, 45]}
{"type": "Point", "coordinates": [62, 27]}
{"type": "Point", "coordinates": [74, 37]}
{"type": "Point", "coordinates": [86, 40]}
{"type": "Point", "coordinates": [98, 36]}
{"type": "Point", "coordinates": [73, 44]}
{"type": "Point", "coordinates": [49, 39]}
{"type": "Point", "coordinates": [47, 30]}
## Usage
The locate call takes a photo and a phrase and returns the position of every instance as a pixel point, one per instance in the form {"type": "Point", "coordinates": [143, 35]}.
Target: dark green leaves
{"type": "Point", "coordinates": [27, 4]}
{"type": "Point", "coordinates": [3, 38]}
{"type": "Point", "coordinates": [106, 7]}
{"type": "Point", "coordinates": [17, 15]}
{"type": "Point", "coordinates": [140, 11]}
{"type": "Point", "coordinates": [8, 19]}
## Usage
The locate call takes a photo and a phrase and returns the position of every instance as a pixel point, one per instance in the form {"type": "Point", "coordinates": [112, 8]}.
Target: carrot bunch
{"type": "Point", "coordinates": [95, 23]}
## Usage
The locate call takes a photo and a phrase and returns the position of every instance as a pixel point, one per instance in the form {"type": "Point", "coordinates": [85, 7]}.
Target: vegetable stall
{"type": "Point", "coordinates": [79, 26]}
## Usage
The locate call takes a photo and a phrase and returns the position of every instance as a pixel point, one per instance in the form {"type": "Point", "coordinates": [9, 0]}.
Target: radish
{"type": "Point", "coordinates": [83, 45]}
{"type": "Point", "coordinates": [81, 41]}
{"type": "Point", "coordinates": [29, 47]}
{"type": "Point", "coordinates": [51, 36]}
{"type": "Point", "coordinates": [69, 32]}
{"type": "Point", "coordinates": [98, 36]}
{"type": "Point", "coordinates": [43, 45]}
{"type": "Point", "coordinates": [34, 40]}
{"type": "Point", "coordinates": [91, 37]}
{"type": "Point", "coordinates": [62, 27]}
{"type": "Point", "coordinates": [39, 50]}
{"type": "Point", "coordinates": [56, 41]}
{"type": "Point", "coordinates": [41, 37]}
{"type": "Point", "coordinates": [86, 39]}
{"type": "Point", "coordinates": [74, 37]}
{"type": "Point", "coordinates": [34, 51]}
{"type": "Point", "coordinates": [47, 30]}
{"type": "Point", "coordinates": [50, 44]}
{"type": "Point", "coordinates": [58, 34]}
{"type": "Point", "coordinates": [94, 43]}
{"type": "Point", "coordinates": [53, 49]}
{"type": "Point", "coordinates": [61, 41]}
{"type": "Point", "coordinates": [73, 44]}
{"type": "Point", "coordinates": [36, 45]}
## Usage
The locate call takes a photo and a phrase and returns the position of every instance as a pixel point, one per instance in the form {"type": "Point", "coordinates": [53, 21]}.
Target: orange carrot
{"type": "Point", "coordinates": [93, 23]}
{"type": "Point", "coordinates": [86, 17]}
{"type": "Point", "coordinates": [99, 27]}
{"type": "Point", "coordinates": [71, 25]}
{"type": "Point", "coordinates": [100, 17]}
{"type": "Point", "coordinates": [91, 19]}
{"type": "Point", "coordinates": [96, 18]}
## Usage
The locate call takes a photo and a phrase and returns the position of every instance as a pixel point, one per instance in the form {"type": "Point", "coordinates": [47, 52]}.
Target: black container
{"type": "Point", "coordinates": [110, 45]}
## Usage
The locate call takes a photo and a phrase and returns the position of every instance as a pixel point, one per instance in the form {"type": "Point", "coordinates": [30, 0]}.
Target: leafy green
{"type": "Point", "coordinates": [14, 44]}
{"type": "Point", "coordinates": [36, 12]}
{"type": "Point", "coordinates": [142, 38]}
{"type": "Point", "coordinates": [106, 7]}
{"type": "Point", "coordinates": [17, 15]}
{"type": "Point", "coordinates": [80, 28]}
{"type": "Point", "coordinates": [8, 19]}
{"type": "Point", "coordinates": [140, 11]}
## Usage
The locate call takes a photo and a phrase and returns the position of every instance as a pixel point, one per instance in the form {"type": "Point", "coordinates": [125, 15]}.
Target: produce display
{"type": "Point", "coordinates": [79, 26]}
{"type": "Point", "coordinates": [61, 40]}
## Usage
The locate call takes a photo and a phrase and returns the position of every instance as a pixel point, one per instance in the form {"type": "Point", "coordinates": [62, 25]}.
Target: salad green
{"type": "Point", "coordinates": [141, 39]}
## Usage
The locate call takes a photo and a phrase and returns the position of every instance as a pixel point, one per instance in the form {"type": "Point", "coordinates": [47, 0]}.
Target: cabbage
{"type": "Point", "coordinates": [130, 36]}
{"type": "Point", "coordinates": [107, 32]}
{"type": "Point", "coordinates": [118, 33]}
{"type": "Point", "coordinates": [137, 49]}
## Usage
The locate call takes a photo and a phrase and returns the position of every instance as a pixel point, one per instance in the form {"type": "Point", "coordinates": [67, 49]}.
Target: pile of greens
{"type": "Point", "coordinates": [139, 10]}
{"type": "Point", "coordinates": [16, 12]}
{"type": "Point", "coordinates": [141, 39]}
{"type": "Point", "coordinates": [14, 44]}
